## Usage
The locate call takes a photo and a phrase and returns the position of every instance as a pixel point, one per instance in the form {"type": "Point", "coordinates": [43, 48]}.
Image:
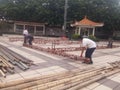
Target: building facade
{"type": "Point", "coordinates": [38, 29]}
{"type": "Point", "coordinates": [33, 28]}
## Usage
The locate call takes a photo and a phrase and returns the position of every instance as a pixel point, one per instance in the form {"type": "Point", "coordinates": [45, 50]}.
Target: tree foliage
{"type": "Point", "coordinates": [52, 11]}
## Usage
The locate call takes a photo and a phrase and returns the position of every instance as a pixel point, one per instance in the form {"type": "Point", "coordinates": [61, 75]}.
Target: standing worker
{"type": "Point", "coordinates": [25, 33]}
{"type": "Point", "coordinates": [88, 45]}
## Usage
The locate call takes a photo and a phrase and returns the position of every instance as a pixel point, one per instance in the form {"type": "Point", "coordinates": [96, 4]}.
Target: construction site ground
{"type": "Point", "coordinates": [46, 63]}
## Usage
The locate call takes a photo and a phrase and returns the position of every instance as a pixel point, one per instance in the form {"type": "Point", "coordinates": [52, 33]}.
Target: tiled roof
{"type": "Point", "coordinates": [87, 22]}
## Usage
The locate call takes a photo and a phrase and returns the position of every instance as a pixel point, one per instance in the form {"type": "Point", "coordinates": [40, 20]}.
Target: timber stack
{"type": "Point", "coordinates": [9, 60]}
{"type": "Point", "coordinates": [71, 80]}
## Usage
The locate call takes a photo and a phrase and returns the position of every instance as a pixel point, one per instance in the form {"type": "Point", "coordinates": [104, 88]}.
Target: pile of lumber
{"type": "Point", "coordinates": [71, 80]}
{"type": "Point", "coordinates": [9, 60]}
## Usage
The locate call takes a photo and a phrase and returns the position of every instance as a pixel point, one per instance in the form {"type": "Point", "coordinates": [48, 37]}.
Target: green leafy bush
{"type": "Point", "coordinates": [75, 36]}
{"type": "Point", "coordinates": [93, 38]}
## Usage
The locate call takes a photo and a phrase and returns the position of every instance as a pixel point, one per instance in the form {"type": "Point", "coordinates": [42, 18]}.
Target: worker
{"type": "Point", "coordinates": [88, 45]}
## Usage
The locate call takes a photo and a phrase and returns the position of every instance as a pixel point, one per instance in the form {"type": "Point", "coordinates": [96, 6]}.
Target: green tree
{"type": "Point", "coordinates": [52, 11]}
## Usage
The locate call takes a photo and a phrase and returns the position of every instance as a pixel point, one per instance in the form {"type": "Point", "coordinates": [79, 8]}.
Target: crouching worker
{"type": "Point", "coordinates": [88, 45]}
{"type": "Point", "coordinates": [30, 39]}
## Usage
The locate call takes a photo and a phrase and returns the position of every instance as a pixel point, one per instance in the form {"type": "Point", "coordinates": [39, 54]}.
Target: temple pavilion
{"type": "Point", "coordinates": [86, 27]}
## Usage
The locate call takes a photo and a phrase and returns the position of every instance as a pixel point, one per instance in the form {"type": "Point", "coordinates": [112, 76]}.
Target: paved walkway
{"type": "Point", "coordinates": [46, 63]}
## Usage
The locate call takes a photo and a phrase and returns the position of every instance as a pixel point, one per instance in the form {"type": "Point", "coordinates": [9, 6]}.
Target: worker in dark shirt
{"type": "Point", "coordinates": [30, 39]}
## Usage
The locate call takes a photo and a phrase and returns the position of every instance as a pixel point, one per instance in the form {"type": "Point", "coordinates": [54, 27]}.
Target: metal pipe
{"type": "Point", "coordinates": [24, 65]}
{"type": "Point", "coordinates": [20, 66]}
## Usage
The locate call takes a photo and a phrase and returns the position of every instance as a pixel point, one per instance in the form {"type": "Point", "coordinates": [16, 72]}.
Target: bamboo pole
{"type": "Point", "coordinates": [54, 83]}
{"type": "Point", "coordinates": [47, 78]}
{"type": "Point", "coordinates": [3, 74]}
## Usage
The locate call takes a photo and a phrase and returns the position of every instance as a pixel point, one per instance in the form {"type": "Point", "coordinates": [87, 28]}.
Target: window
{"type": "Point", "coordinates": [19, 28]}
{"type": "Point", "coordinates": [29, 28]}
{"type": "Point", "coordinates": [39, 30]}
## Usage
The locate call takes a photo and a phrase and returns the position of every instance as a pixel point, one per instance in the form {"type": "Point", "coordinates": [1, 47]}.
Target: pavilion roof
{"type": "Point", "coordinates": [86, 22]}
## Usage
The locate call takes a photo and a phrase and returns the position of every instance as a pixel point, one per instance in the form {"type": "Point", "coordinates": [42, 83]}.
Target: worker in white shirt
{"type": "Point", "coordinates": [88, 45]}
{"type": "Point", "coordinates": [25, 33]}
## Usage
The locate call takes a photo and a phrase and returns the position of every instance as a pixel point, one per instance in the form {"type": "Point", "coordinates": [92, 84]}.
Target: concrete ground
{"type": "Point", "coordinates": [46, 63]}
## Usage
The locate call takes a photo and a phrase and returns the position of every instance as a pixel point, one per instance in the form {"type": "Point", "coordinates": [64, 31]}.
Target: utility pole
{"type": "Point", "coordinates": [65, 16]}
